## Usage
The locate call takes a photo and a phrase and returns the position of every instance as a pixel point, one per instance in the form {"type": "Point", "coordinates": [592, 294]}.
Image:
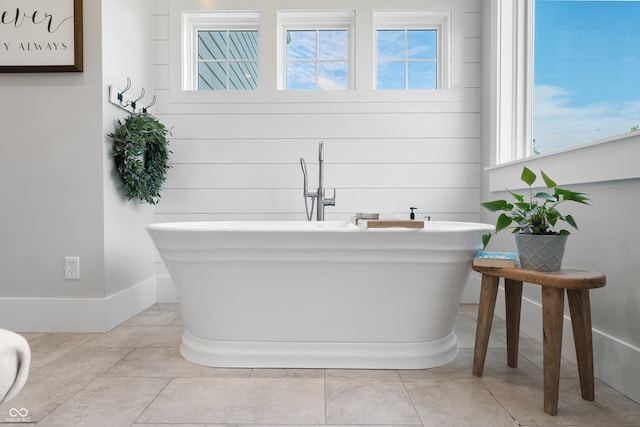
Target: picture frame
{"type": "Point", "coordinates": [38, 36]}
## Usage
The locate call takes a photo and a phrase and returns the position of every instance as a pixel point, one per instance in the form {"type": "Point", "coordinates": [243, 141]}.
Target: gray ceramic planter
{"type": "Point", "coordinates": [540, 252]}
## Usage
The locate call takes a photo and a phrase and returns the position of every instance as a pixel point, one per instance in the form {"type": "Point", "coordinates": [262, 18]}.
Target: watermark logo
{"type": "Point", "coordinates": [18, 416]}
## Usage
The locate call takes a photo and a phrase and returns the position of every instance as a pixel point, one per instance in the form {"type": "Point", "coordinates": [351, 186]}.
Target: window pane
{"type": "Point", "coordinates": [227, 60]}
{"type": "Point", "coordinates": [406, 59]}
{"type": "Point", "coordinates": [211, 76]}
{"type": "Point", "coordinates": [301, 45]}
{"type": "Point", "coordinates": [332, 75]}
{"type": "Point", "coordinates": [212, 45]}
{"type": "Point", "coordinates": [390, 44]}
{"type": "Point", "coordinates": [323, 69]}
{"type": "Point", "coordinates": [301, 76]}
{"type": "Point", "coordinates": [422, 75]}
{"type": "Point", "coordinates": [422, 44]}
{"type": "Point", "coordinates": [243, 75]}
{"type": "Point", "coordinates": [587, 63]}
{"type": "Point", "coordinates": [332, 44]}
{"type": "Point", "coordinates": [391, 75]}
{"type": "Point", "coordinates": [243, 44]}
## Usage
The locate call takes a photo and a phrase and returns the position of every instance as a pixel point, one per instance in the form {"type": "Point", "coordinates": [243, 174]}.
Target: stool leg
{"type": "Point", "coordinates": [580, 308]}
{"type": "Point", "coordinates": [488, 294]}
{"type": "Point", "coordinates": [552, 311]}
{"type": "Point", "coordinates": [513, 302]}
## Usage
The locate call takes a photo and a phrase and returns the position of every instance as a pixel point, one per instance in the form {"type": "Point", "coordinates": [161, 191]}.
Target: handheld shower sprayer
{"type": "Point", "coordinates": [303, 165]}
{"type": "Point", "coordinates": [305, 191]}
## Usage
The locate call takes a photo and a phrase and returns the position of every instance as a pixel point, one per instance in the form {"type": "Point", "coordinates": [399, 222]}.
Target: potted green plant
{"type": "Point", "coordinates": [533, 218]}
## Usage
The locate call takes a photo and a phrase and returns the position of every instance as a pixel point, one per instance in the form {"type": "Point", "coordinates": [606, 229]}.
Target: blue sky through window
{"type": "Point", "coordinates": [317, 59]}
{"type": "Point", "coordinates": [406, 59]}
{"type": "Point", "coordinates": [586, 71]}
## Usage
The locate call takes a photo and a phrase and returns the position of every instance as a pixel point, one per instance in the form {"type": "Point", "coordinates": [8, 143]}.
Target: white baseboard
{"type": "Point", "coordinates": [76, 314]}
{"type": "Point", "coordinates": [615, 362]}
{"type": "Point", "coordinates": [129, 302]}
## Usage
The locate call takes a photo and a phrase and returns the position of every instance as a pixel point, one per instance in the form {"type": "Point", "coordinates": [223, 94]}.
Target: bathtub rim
{"type": "Point", "coordinates": [311, 226]}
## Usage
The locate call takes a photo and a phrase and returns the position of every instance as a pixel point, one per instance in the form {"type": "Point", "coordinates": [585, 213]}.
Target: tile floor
{"type": "Point", "coordinates": [134, 376]}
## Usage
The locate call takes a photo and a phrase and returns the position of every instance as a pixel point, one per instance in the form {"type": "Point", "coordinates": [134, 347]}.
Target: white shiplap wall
{"type": "Point", "coordinates": [384, 152]}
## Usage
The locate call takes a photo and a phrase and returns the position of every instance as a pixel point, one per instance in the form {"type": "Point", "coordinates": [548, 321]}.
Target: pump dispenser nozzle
{"type": "Point", "coordinates": [412, 215]}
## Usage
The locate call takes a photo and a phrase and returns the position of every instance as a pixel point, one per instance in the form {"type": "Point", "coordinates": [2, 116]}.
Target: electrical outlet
{"type": "Point", "coordinates": [72, 267]}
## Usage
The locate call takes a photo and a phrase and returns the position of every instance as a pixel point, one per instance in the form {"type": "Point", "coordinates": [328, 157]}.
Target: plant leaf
{"type": "Point", "coordinates": [572, 195]}
{"type": "Point", "coordinates": [485, 240]}
{"type": "Point", "coordinates": [528, 176]}
{"type": "Point", "coordinates": [571, 221]}
{"type": "Point", "coordinates": [523, 206]}
{"type": "Point", "coordinates": [546, 196]}
{"type": "Point", "coordinates": [518, 197]}
{"type": "Point", "coordinates": [497, 205]}
{"type": "Point", "coordinates": [548, 181]}
{"type": "Point", "coordinates": [503, 222]}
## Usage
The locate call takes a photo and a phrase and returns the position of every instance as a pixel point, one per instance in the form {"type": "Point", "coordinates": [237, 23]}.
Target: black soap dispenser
{"type": "Point", "coordinates": [412, 215]}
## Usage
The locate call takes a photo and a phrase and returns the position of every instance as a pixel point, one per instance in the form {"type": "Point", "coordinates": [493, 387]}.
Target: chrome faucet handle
{"type": "Point", "coordinates": [332, 200]}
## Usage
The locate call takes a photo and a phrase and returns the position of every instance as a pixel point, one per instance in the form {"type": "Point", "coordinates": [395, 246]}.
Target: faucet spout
{"type": "Point", "coordinates": [322, 200]}
{"type": "Point", "coordinates": [318, 195]}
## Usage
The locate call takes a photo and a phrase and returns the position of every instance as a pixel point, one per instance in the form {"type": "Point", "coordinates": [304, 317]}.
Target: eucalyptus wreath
{"type": "Point", "coordinates": [141, 153]}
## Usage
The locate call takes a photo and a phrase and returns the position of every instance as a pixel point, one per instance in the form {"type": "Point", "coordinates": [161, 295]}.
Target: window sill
{"type": "Point", "coordinates": [259, 96]}
{"type": "Point", "coordinates": [611, 159]}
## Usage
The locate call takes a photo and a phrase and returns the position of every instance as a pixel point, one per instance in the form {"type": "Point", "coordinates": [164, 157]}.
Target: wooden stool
{"type": "Point", "coordinates": [577, 282]}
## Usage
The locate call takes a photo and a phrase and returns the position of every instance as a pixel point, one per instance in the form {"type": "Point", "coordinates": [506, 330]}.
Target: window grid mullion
{"type": "Point", "coordinates": [317, 58]}
{"type": "Point", "coordinates": [406, 59]}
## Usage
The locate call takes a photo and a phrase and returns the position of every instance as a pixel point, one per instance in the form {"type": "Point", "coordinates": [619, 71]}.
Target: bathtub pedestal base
{"type": "Point", "coordinates": [255, 354]}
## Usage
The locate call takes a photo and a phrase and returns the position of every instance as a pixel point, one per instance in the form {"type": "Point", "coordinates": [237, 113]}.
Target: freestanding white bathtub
{"type": "Point", "coordinates": [296, 294]}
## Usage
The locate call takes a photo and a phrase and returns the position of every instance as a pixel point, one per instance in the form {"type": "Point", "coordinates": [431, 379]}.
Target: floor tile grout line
{"type": "Point", "coordinates": [170, 380]}
{"type": "Point", "coordinates": [325, 397]}
{"type": "Point", "coordinates": [495, 398]}
{"type": "Point", "coordinates": [70, 349]}
{"type": "Point", "coordinates": [98, 375]}
{"type": "Point", "coordinates": [413, 403]}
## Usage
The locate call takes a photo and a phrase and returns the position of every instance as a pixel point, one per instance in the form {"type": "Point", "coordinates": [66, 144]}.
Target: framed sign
{"type": "Point", "coordinates": [40, 36]}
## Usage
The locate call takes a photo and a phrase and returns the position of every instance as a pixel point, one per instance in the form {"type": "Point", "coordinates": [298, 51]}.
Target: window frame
{"type": "Point", "coordinates": [301, 20]}
{"type": "Point", "coordinates": [211, 20]}
{"type": "Point", "coordinates": [438, 20]}
{"type": "Point", "coordinates": [170, 55]}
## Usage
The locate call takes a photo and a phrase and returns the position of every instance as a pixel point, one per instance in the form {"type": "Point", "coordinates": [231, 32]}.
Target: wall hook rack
{"type": "Point", "coordinates": [120, 99]}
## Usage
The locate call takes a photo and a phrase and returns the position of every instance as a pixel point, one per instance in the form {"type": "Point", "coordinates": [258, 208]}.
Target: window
{"type": "Point", "coordinates": [221, 50]}
{"type": "Point", "coordinates": [586, 69]}
{"type": "Point", "coordinates": [406, 59]}
{"type": "Point", "coordinates": [573, 85]}
{"type": "Point", "coordinates": [227, 60]}
{"type": "Point", "coordinates": [316, 59]}
{"type": "Point", "coordinates": [315, 50]}
{"type": "Point", "coordinates": [409, 50]}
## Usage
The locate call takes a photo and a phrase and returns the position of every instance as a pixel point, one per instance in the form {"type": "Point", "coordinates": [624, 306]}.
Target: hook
{"type": "Point", "coordinates": [133, 103]}
{"type": "Point", "coordinates": [121, 94]}
{"type": "Point", "coordinates": [153, 101]}
{"type": "Point", "coordinates": [128, 103]}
